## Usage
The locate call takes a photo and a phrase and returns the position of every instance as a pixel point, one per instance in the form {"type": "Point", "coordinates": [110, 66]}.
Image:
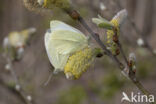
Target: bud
{"type": "Point", "coordinates": [132, 57]}
{"type": "Point", "coordinates": [120, 16]}
{"type": "Point", "coordinates": [8, 67]}
{"type": "Point", "coordinates": [125, 71]}
{"type": "Point", "coordinates": [29, 98]}
{"type": "Point", "coordinates": [102, 23]}
{"type": "Point", "coordinates": [5, 42]}
{"type": "Point", "coordinates": [15, 42]}
{"type": "Point", "coordinates": [17, 87]}
{"type": "Point", "coordinates": [140, 42]}
{"type": "Point", "coordinates": [19, 39]}
{"type": "Point", "coordinates": [102, 6]}
{"type": "Point", "coordinates": [154, 51]}
{"type": "Point", "coordinates": [110, 33]}
{"type": "Point", "coordinates": [132, 62]}
{"type": "Point", "coordinates": [15, 39]}
{"type": "Point", "coordinates": [117, 21]}
{"type": "Point", "coordinates": [20, 52]}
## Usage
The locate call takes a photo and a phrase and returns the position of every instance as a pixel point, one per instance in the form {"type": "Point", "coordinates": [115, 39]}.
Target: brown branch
{"type": "Point", "coordinates": [12, 90]}
{"type": "Point", "coordinates": [75, 15]}
{"type": "Point", "coordinates": [146, 43]}
{"type": "Point", "coordinates": [21, 93]}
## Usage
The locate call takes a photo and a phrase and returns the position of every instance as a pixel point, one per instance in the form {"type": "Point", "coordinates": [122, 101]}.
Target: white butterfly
{"type": "Point", "coordinates": [62, 40]}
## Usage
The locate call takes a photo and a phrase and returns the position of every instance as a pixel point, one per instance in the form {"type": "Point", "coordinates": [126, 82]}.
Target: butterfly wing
{"type": "Point", "coordinates": [69, 42]}
{"type": "Point", "coordinates": [58, 25]}
{"type": "Point", "coordinates": [57, 60]}
{"type": "Point", "coordinates": [61, 41]}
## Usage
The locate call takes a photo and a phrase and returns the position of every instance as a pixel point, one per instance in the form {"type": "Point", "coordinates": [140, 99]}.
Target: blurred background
{"type": "Point", "coordinates": [103, 83]}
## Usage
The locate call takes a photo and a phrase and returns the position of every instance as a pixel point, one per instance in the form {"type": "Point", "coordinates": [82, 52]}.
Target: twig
{"type": "Point", "coordinates": [116, 40]}
{"type": "Point", "coordinates": [146, 43]}
{"type": "Point", "coordinates": [131, 73]}
{"type": "Point", "coordinates": [122, 52]}
{"type": "Point", "coordinates": [75, 15]}
{"type": "Point", "coordinates": [19, 89]}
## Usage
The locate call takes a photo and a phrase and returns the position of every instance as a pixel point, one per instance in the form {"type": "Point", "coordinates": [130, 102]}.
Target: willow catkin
{"type": "Point", "coordinates": [33, 5]}
{"type": "Point", "coordinates": [78, 63]}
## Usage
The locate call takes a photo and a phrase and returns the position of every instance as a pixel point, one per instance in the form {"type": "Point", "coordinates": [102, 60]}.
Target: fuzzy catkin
{"type": "Point", "coordinates": [110, 33]}
{"type": "Point", "coordinates": [78, 63]}
{"type": "Point", "coordinates": [50, 4]}
{"type": "Point", "coordinates": [31, 4]}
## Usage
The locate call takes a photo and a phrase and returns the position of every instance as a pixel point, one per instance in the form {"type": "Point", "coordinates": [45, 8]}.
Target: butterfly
{"type": "Point", "coordinates": [61, 41]}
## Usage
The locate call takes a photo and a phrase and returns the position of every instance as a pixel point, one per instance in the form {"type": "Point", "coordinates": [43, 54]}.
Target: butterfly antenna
{"type": "Point", "coordinates": [49, 78]}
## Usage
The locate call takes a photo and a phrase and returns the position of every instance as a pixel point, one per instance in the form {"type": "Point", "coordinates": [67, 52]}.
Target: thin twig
{"type": "Point", "coordinates": [146, 43]}
{"type": "Point", "coordinates": [12, 90]}
{"type": "Point", "coordinates": [75, 15]}
{"type": "Point", "coordinates": [20, 90]}
{"type": "Point", "coordinates": [122, 52]}
{"type": "Point", "coordinates": [97, 38]}
{"type": "Point", "coordinates": [116, 40]}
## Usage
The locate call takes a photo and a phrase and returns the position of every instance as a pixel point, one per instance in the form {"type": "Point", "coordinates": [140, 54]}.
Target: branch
{"type": "Point", "coordinates": [131, 73]}
{"type": "Point", "coordinates": [12, 90]}
{"type": "Point", "coordinates": [146, 43]}
{"type": "Point", "coordinates": [75, 15]}
{"type": "Point", "coordinates": [18, 88]}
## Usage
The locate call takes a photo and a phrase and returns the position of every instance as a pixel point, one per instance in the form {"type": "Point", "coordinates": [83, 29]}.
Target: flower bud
{"type": "Point", "coordinates": [8, 67]}
{"type": "Point", "coordinates": [102, 6]}
{"type": "Point", "coordinates": [117, 21]}
{"type": "Point", "coordinates": [154, 51]}
{"type": "Point", "coordinates": [29, 98]}
{"type": "Point", "coordinates": [132, 57]}
{"type": "Point", "coordinates": [102, 23]}
{"type": "Point", "coordinates": [17, 87]}
{"type": "Point", "coordinates": [120, 16]}
{"type": "Point", "coordinates": [132, 62]}
{"type": "Point", "coordinates": [140, 42]}
{"type": "Point", "coordinates": [5, 42]}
